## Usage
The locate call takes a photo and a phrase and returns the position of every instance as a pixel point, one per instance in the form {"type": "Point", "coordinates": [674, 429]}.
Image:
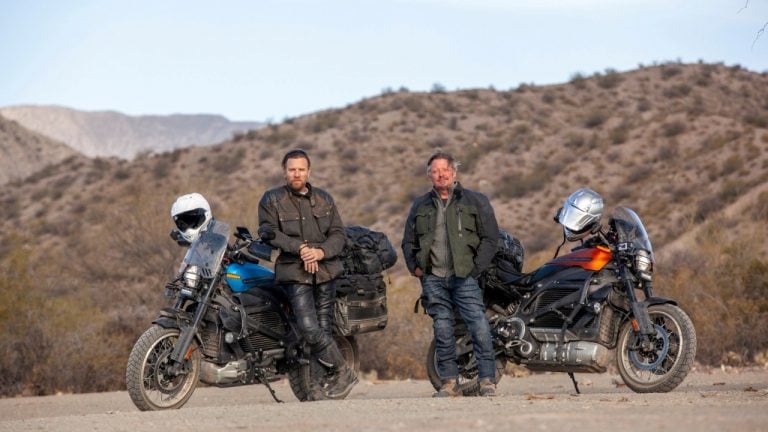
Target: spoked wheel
{"type": "Point", "coordinates": [467, 366]}
{"type": "Point", "coordinates": [151, 385]}
{"type": "Point", "coordinates": [666, 364]}
{"type": "Point", "coordinates": [304, 378]}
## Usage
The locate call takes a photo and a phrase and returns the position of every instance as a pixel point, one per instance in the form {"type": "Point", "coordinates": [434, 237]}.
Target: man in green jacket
{"type": "Point", "coordinates": [310, 235]}
{"type": "Point", "coordinates": [450, 238]}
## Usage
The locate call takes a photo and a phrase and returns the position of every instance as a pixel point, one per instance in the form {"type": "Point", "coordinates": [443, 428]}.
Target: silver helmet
{"type": "Point", "coordinates": [581, 214]}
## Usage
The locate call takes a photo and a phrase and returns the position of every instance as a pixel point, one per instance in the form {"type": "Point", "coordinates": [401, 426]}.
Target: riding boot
{"type": "Point", "coordinates": [345, 377]}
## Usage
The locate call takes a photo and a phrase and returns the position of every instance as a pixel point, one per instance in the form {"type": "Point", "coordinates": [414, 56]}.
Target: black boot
{"type": "Point", "coordinates": [345, 377]}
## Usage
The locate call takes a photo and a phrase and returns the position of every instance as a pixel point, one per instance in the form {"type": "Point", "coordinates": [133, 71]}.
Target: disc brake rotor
{"type": "Point", "coordinates": [660, 352]}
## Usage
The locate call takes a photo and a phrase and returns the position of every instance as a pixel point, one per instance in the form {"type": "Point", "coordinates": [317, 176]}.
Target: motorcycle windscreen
{"type": "Point", "coordinates": [208, 249]}
{"type": "Point", "coordinates": [630, 230]}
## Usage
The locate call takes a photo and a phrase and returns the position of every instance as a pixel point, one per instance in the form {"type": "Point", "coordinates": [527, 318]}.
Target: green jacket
{"type": "Point", "coordinates": [472, 232]}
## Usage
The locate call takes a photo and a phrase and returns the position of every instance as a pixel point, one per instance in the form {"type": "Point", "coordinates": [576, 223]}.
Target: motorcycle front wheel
{"type": "Point", "coordinates": [467, 366]}
{"type": "Point", "coordinates": [151, 385]}
{"type": "Point", "coordinates": [303, 378]}
{"type": "Point", "coordinates": [667, 363]}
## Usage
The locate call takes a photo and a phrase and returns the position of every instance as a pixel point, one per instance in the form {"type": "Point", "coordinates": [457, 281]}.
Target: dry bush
{"type": "Point", "coordinates": [610, 80]}
{"type": "Point", "coordinates": [722, 286]}
{"type": "Point", "coordinates": [400, 350]}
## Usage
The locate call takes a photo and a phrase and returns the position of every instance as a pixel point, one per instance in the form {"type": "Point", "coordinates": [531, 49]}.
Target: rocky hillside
{"type": "Point", "coordinates": [109, 133]}
{"type": "Point", "coordinates": [686, 146]}
{"type": "Point", "coordinates": [23, 152]}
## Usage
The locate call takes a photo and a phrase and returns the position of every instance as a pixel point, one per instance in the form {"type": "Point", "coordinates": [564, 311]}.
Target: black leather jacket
{"type": "Point", "coordinates": [311, 218]}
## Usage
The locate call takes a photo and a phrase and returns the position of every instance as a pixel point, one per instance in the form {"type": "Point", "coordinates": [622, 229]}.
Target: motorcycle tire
{"type": "Point", "coordinates": [301, 377]}
{"type": "Point", "coordinates": [665, 366]}
{"type": "Point", "coordinates": [150, 386]}
{"type": "Point", "coordinates": [467, 375]}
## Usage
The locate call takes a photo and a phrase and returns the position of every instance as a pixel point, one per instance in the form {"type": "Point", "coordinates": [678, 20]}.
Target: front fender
{"type": "Point", "coordinates": [650, 301]}
{"type": "Point", "coordinates": [166, 322]}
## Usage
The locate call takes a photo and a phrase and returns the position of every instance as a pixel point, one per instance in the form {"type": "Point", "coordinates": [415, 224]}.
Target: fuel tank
{"type": "Point", "coordinates": [245, 276]}
{"type": "Point", "coordinates": [592, 259]}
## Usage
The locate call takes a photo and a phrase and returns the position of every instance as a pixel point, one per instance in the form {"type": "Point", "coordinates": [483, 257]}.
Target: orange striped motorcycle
{"type": "Point", "coordinates": [580, 310]}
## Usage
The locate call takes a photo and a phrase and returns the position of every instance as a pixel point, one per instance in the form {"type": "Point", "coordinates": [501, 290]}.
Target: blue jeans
{"type": "Point", "coordinates": [441, 295]}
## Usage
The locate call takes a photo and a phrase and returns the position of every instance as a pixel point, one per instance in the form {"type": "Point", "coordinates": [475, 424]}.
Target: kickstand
{"type": "Point", "coordinates": [264, 381]}
{"type": "Point", "coordinates": [575, 384]}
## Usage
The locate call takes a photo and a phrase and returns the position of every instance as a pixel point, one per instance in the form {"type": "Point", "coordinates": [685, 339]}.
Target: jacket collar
{"type": "Point", "coordinates": [309, 194]}
{"type": "Point", "coordinates": [456, 191]}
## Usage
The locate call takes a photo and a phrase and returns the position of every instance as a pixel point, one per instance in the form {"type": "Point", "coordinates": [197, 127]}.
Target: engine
{"type": "Point", "coordinates": [541, 349]}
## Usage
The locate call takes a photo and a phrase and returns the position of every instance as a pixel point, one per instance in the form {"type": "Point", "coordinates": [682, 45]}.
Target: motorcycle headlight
{"type": "Point", "coordinates": [191, 279]}
{"type": "Point", "coordinates": [644, 264]}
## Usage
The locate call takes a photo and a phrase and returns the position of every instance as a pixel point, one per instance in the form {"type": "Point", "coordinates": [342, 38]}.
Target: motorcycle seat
{"type": "Point", "coordinates": [508, 275]}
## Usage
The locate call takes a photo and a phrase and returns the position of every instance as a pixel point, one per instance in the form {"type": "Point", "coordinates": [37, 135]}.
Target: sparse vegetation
{"type": "Point", "coordinates": [526, 148]}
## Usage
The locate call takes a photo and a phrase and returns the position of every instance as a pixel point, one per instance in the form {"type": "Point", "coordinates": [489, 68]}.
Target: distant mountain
{"type": "Point", "coordinates": [23, 152]}
{"type": "Point", "coordinates": [110, 133]}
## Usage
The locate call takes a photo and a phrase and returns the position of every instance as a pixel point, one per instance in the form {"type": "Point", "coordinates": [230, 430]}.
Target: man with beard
{"type": "Point", "coordinates": [450, 238]}
{"type": "Point", "coordinates": [310, 234]}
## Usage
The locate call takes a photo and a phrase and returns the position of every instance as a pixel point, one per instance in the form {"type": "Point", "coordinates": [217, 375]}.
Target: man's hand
{"type": "Point", "coordinates": [311, 257]}
{"type": "Point", "coordinates": [418, 272]}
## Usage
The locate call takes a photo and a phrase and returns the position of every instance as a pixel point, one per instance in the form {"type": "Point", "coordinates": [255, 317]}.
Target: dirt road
{"type": "Point", "coordinates": [713, 401]}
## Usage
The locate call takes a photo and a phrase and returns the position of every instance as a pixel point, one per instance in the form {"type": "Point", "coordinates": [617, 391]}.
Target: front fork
{"type": "Point", "coordinates": [183, 348]}
{"type": "Point", "coordinates": [640, 320]}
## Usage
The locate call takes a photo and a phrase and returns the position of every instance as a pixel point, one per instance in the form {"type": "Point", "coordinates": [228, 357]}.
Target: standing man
{"type": "Point", "coordinates": [450, 238]}
{"type": "Point", "coordinates": [310, 235]}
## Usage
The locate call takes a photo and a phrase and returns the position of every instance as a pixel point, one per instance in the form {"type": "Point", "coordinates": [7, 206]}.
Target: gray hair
{"type": "Point", "coordinates": [442, 154]}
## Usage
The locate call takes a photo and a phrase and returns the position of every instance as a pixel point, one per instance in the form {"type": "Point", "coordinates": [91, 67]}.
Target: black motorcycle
{"type": "Point", "coordinates": [577, 310]}
{"type": "Point", "coordinates": [228, 325]}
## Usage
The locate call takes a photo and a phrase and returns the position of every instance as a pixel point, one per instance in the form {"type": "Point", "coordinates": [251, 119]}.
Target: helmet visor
{"type": "Point", "coordinates": [575, 219]}
{"type": "Point", "coordinates": [190, 219]}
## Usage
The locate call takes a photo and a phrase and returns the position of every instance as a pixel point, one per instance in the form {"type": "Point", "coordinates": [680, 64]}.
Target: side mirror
{"type": "Point", "coordinates": [176, 236]}
{"type": "Point", "coordinates": [243, 233]}
{"type": "Point", "coordinates": [266, 233]}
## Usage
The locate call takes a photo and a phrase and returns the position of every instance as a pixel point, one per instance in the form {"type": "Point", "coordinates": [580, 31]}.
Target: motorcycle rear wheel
{"type": "Point", "coordinates": [467, 374]}
{"type": "Point", "coordinates": [149, 383]}
{"type": "Point", "coordinates": [664, 367]}
{"type": "Point", "coordinates": [300, 379]}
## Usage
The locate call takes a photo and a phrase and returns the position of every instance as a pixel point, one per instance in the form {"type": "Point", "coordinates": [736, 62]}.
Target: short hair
{"type": "Point", "coordinates": [296, 154]}
{"type": "Point", "coordinates": [442, 154]}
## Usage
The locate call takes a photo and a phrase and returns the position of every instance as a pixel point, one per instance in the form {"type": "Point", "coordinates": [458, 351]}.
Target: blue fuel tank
{"type": "Point", "coordinates": [242, 277]}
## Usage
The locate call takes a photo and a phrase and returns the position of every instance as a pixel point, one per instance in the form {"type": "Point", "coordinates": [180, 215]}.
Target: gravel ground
{"type": "Point", "coordinates": [706, 401]}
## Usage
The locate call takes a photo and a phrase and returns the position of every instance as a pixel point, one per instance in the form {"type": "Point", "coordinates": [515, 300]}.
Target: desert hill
{"type": "Point", "coordinates": [23, 152]}
{"type": "Point", "coordinates": [685, 145]}
{"type": "Point", "coordinates": [110, 133]}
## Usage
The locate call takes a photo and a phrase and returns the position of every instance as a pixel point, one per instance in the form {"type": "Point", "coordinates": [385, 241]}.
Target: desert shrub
{"type": "Point", "coordinates": [610, 80]}
{"type": "Point", "coordinates": [669, 70]}
{"type": "Point", "coordinates": [639, 172]}
{"type": "Point", "coordinates": [548, 97]}
{"type": "Point", "coordinates": [732, 164]}
{"type": "Point", "coordinates": [438, 88]}
{"type": "Point", "coordinates": [757, 120]}
{"type": "Point", "coordinates": [579, 81]}
{"type": "Point", "coordinates": [677, 91]}
{"type": "Point", "coordinates": [574, 140]}
{"type": "Point", "coordinates": [759, 210]}
{"type": "Point", "coordinates": [323, 121]}
{"type": "Point", "coordinates": [721, 284]}
{"type": "Point", "coordinates": [620, 133]}
{"type": "Point", "coordinates": [595, 118]}
{"type": "Point", "coordinates": [644, 105]}
{"type": "Point", "coordinates": [673, 128]}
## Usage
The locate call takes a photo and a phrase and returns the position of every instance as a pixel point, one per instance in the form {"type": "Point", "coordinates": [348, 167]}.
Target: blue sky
{"type": "Point", "coordinates": [269, 60]}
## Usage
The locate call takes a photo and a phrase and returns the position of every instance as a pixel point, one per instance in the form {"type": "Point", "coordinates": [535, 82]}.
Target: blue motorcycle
{"type": "Point", "coordinates": [228, 325]}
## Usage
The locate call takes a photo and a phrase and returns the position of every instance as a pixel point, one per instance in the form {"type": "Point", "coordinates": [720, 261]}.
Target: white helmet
{"type": "Point", "coordinates": [581, 213]}
{"type": "Point", "coordinates": [191, 213]}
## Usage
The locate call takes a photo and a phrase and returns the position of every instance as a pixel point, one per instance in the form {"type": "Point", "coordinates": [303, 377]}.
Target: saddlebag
{"type": "Point", "coordinates": [361, 304]}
